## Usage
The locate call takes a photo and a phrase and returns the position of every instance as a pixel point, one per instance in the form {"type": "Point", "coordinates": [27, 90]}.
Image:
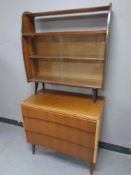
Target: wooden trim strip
{"type": "Point", "coordinates": [69, 11]}
{"type": "Point", "coordinates": [107, 38]}
{"type": "Point", "coordinates": [96, 141]}
{"type": "Point", "coordinates": [57, 82]}
{"type": "Point", "coordinates": [92, 32]}
{"type": "Point", "coordinates": [72, 58]}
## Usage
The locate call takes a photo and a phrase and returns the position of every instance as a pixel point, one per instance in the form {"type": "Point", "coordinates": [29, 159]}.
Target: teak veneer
{"type": "Point", "coordinates": [74, 56]}
{"type": "Point", "coordinates": [63, 121]}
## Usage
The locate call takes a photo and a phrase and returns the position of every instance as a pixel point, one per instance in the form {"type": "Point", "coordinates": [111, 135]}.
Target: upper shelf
{"type": "Point", "coordinates": [92, 83]}
{"type": "Point", "coordinates": [84, 58]}
{"type": "Point", "coordinates": [71, 11]}
{"type": "Point", "coordinates": [89, 32]}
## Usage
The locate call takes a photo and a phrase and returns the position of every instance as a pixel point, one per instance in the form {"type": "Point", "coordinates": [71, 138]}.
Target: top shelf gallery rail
{"type": "Point", "coordinates": [71, 11]}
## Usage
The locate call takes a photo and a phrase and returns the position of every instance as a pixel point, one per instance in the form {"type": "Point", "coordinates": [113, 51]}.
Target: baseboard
{"type": "Point", "coordinates": [11, 121]}
{"type": "Point", "coordinates": [115, 148]}
{"type": "Point", "coordinates": [104, 145]}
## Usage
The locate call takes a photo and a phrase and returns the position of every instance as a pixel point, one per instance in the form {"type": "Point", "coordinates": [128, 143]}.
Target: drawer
{"type": "Point", "coordinates": [61, 145]}
{"type": "Point", "coordinates": [65, 119]}
{"type": "Point", "coordinates": [60, 131]}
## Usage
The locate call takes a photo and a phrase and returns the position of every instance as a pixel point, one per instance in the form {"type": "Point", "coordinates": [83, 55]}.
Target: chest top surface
{"type": "Point", "coordinates": [66, 103]}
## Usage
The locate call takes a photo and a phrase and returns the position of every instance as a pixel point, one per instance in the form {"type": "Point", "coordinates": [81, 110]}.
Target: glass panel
{"type": "Point", "coordinates": [70, 59]}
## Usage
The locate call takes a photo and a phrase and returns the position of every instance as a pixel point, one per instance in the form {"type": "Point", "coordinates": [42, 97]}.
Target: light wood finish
{"type": "Point", "coordinates": [107, 35]}
{"type": "Point", "coordinates": [27, 25]}
{"type": "Point", "coordinates": [92, 32]}
{"type": "Point", "coordinates": [63, 71]}
{"type": "Point", "coordinates": [55, 57]}
{"type": "Point", "coordinates": [69, 120]}
{"type": "Point", "coordinates": [60, 131]}
{"type": "Point", "coordinates": [96, 140]}
{"type": "Point", "coordinates": [85, 74]}
{"type": "Point", "coordinates": [44, 58]}
{"type": "Point", "coordinates": [103, 14]}
{"type": "Point", "coordinates": [60, 145]}
{"type": "Point", "coordinates": [70, 45]}
{"type": "Point", "coordinates": [66, 103]}
{"type": "Point", "coordinates": [58, 80]}
{"type": "Point", "coordinates": [71, 11]}
{"type": "Point", "coordinates": [63, 121]}
{"type": "Point", "coordinates": [66, 122]}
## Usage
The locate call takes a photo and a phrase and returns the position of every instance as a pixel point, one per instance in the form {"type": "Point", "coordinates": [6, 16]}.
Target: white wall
{"type": "Point", "coordinates": [13, 85]}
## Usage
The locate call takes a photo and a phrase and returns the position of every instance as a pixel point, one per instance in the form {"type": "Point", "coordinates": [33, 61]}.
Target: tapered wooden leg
{"type": "Point", "coordinates": [36, 87]}
{"type": "Point", "coordinates": [91, 166]}
{"type": "Point", "coordinates": [43, 84]}
{"type": "Point", "coordinates": [95, 94]}
{"type": "Point", "coordinates": [33, 148]}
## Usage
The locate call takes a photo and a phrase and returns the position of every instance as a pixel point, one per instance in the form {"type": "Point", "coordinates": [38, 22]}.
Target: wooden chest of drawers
{"type": "Point", "coordinates": [65, 122]}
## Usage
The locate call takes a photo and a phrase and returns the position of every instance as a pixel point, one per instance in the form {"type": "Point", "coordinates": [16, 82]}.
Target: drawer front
{"type": "Point", "coordinates": [60, 131]}
{"type": "Point", "coordinates": [61, 145]}
{"type": "Point", "coordinates": [67, 120]}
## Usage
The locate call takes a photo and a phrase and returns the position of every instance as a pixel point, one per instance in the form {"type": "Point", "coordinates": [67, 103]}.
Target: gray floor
{"type": "Point", "coordinates": [16, 158]}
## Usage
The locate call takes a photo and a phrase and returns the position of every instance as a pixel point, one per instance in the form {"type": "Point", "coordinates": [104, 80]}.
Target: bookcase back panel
{"type": "Point", "coordinates": [47, 46]}
{"type": "Point", "coordinates": [90, 46]}
{"type": "Point", "coordinates": [71, 45]}
{"type": "Point", "coordinates": [49, 69]}
{"type": "Point", "coordinates": [79, 73]}
{"type": "Point", "coordinates": [66, 47]}
{"type": "Point", "coordinates": [71, 23]}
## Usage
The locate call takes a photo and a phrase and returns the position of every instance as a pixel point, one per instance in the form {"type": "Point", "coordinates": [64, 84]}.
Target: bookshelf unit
{"type": "Point", "coordinates": [67, 47]}
{"type": "Point", "coordinates": [71, 57]}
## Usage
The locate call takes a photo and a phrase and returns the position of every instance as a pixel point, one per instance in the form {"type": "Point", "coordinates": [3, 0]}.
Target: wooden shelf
{"type": "Point", "coordinates": [73, 17]}
{"type": "Point", "coordinates": [69, 11]}
{"type": "Point", "coordinates": [72, 56]}
{"type": "Point", "coordinates": [84, 58]}
{"type": "Point", "coordinates": [89, 32]}
{"type": "Point", "coordinates": [90, 83]}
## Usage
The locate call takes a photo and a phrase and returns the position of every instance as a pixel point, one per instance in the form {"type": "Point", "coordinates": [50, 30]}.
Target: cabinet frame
{"type": "Point", "coordinates": [29, 34]}
{"type": "Point", "coordinates": [49, 117]}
